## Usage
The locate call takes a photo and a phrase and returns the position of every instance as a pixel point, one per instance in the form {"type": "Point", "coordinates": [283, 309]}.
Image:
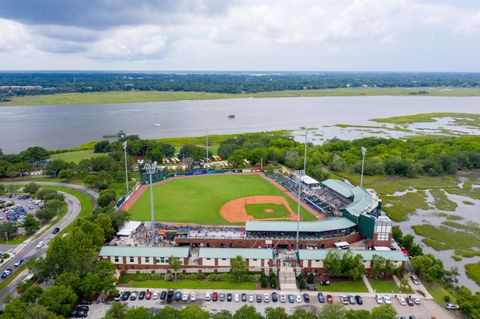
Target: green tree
{"type": "Point", "coordinates": [105, 223]}
{"type": "Point", "coordinates": [303, 314]}
{"type": "Point", "coordinates": [55, 166]}
{"type": "Point", "coordinates": [378, 266]}
{"type": "Point", "coordinates": [333, 263]}
{"type": "Point", "coordinates": [100, 279]}
{"type": "Point", "coordinates": [223, 314]}
{"type": "Point", "coordinates": [116, 311]}
{"type": "Point", "coordinates": [264, 282]}
{"type": "Point", "coordinates": [358, 314]}
{"type": "Point", "coordinates": [106, 198]}
{"type": "Point", "coordinates": [34, 154]}
{"type": "Point", "coordinates": [31, 294]}
{"type": "Point", "coordinates": [8, 228]}
{"type": "Point", "coordinates": [301, 284]}
{"type": "Point", "coordinates": [333, 311]}
{"type": "Point", "coordinates": [167, 313]}
{"type": "Point", "coordinates": [138, 313]}
{"type": "Point", "coordinates": [236, 158]}
{"type": "Point", "coordinates": [193, 312]}
{"type": "Point", "coordinates": [311, 278]}
{"type": "Point", "coordinates": [238, 269]}
{"type": "Point", "coordinates": [70, 279]}
{"type": "Point", "coordinates": [31, 188]}
{"type": "Point", "coordinates": [429, 267]}
{"type": "Point", "coordinates": [66, 174]}
{"type": "Point", "coordinates": [58, 299]}
{"type": "Point", "coordinates": [275, 313]}
{"type": "Point", "coordinates": [36, 311]}
{"type": "Point", "coordinates": [30, 224]}
{"type": "Point", "coordinates": [384, 312]}
{"type": "Point", "coordinates": [247, 312]}
{"type": "Point", "coordinates": [45, 214]}
{"type": "Point", "coordinates": [174, 264]}
{"type": "Point", "coordinates": [15, 309]}
{"type": "Point", "coordinates": [102, 147]}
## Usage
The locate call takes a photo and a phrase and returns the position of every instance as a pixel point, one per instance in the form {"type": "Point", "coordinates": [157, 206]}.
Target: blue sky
{"type": "Point", "coordinates": [304, 35]}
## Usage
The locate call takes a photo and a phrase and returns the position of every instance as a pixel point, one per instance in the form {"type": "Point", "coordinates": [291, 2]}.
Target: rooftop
{"type": "Point", "coordinates": [320, 254]}
{"type": "Point", "coordinates": [316, 226]}
{"type": "Point", "coordinates": [246, 253]}
{"type": "Point", "coordinates": [339, 187]}
{"type": "Point", "coordinates": [362, 201]}
{"type": "Point", "coordinates": [309, 180]}
{"type": "Point", "coordinates": [129, 251]}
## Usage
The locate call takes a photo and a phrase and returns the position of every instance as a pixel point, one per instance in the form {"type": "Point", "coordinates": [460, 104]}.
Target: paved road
{"type": "Point", "coordinates": [427, 309]}
{"type": "Point", "coordinates": [28, 249]}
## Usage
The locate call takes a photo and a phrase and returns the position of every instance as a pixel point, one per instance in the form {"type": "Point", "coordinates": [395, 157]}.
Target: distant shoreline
{"type": "Point", "coordinates": [112, 97]}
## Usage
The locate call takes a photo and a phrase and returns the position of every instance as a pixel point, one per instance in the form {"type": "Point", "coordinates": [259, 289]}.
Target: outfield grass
{"type": "Point", "coordinates": [386, 286]}
{"type": "Point", "coordinates": [192, 284]}
{"type": "Point", "coordinates": [159, 96]}
{"type": "Point", "coordinates": [344, 286]}
{"type": "Point", "coordinates": [75, 156]}
{"type": "Point", "coordinates": [199, 199]}
{"type": "Point", "coordinates": [258, 211]}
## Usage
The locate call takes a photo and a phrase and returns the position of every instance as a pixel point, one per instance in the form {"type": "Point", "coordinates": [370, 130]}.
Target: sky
{"type": "Point", "coordinates": [244, 35]}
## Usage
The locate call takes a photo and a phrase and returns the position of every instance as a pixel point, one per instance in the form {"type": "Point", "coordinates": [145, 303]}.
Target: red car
{"type": "Point", "coordinates": [148, 296]}
{"type": "Point", "coordinates": [329, 299]}
{"type": "Point", "coordinates": [214, 296]}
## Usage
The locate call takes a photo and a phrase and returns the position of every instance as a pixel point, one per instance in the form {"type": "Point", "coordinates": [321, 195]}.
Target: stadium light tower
{"type": "Point", "coordinates": [126, 169]}
{"type": "Point", "coordinates": [151, 169]}
{"type": "Point", "coordinates": [206, 146]}
{"type": "Point", "coordinates": [302, 173]}
{"type": "Point", "coordinates": [364, 152]}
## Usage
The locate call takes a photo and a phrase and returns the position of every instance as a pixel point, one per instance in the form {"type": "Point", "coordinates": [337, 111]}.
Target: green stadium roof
{"type": "Point", "coordinates": [338, 186]}
{"type": "Point", "coordinates": [316, 226]}
{"type": "Point", "coordinates": [128, 251]}
{"type": "Point", "coordinates": [320, 254]}
{"type": "Point", "coordinates": [230, 253]}
{"type": "Point", "coordinates": [361, 200]}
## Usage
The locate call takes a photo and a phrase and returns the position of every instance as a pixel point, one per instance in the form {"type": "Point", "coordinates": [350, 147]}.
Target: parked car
{"type": "Point", "coordinates": [221, 297]}
{"type": "Point", "coordinates": [141, 295]}
{"type": "Point", "coordinates": [78, 313]}
{"type": "Point", "coordinates": [155, 295]}
{"type": "Point", "coordinates": [55, 230]}
{"type": "Point", "coordinates": [148, 295]}
{"type": "Point", "coordinates": [236, 297]}
{"type": "Point", "coordinates": [193, 297]}
{"type": "Point", "coordinates": [86, 302]}
{"type": "Point", "coordinates": [387, 300]}
{"type": "Point", "coordinates": [119, 296]}
{"type": "Point", "coordinates": [244, 297]}
{"type": "Point", "coordinates": [133, 296]}
{"type": "Point", "coordinates": [298, 298]}
{"type": "Point", "coordinates": [379, 299]}
{"type": "Point", "coordinates": [266, 298]}
{"type": "Point", "coordinates": [185, 296]}
{"type": "Point", "coordinates": [320, 297]}
{"type": "Point", "coordinates": [291, 298]}
{"type": "Point", "coordinates": [344, 300]}
{"type": "Point", "coordinates": [214, 296]}
{"type": "Point", "coordinates": [40, 244]}
{"type": "Point", "coordinates": [329, 299]}
{"type": "Point", "coordinates": [451, 306]}
{"type": "Point", "coordinates": [208, 296]}
{"type": "Point", "coordinates": [410, 301]}
{"type": "Point", "coordinates": [251, 299]}
{"type": "Point", "coordinates": [416, 300]}
{"type": "Point", "coordinates": [170, 295]}
{"type": "Point", "coordinates": [178, 295]}
{"type": "Point", "coordinates": [359, 300]}
{"type": "Point", "coordinates": [415, 279]}
{"type": "Point", "coordinates": [6, 273]}
{"type": "Point", "coordinates": [229, 297]}
{"type": "Point", "coordinates": [401, 301]}
{"type": "Point", "coordinates": [351, 300]}
{"type": "Point", "coordinates": [412, 317]}
{"type": "Point", "coordinates": [283, 298]}
{"type": "Point", "coordinates": [125, 295]}
{"type": "Point", "coordinates": [163, 295]}
{"type": "Point", "coordinates": [18, 263]}
{"type": "Point", "coordinates": [259, 298]}
{"type": "Point", "coordinates": [306, 298]}
{"type": "Point", "coordinates": [274, 297]}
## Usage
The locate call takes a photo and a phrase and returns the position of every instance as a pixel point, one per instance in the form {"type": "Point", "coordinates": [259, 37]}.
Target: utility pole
{"type": "Point", "coordinates": [206, 146]}
{"type": "Point", "coordinates": [6, 237]}
{"type": "Point", "coordinates": [301, 173]}
{"type": "Point", "coordinates": [126, 169]}
{"type": "Point", "coordinates": [364, 152]}
{"type": "Point", "coordinates": [151, 169]}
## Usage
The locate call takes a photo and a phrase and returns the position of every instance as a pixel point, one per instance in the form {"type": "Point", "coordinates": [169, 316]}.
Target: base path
{"type": "Point", "coordinates": [235, 211]}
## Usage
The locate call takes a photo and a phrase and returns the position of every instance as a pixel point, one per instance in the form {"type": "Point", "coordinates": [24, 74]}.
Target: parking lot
{"type": "Point", "coordinates": [426, 310]}
{"type": "Point", "coordinates": [23, 205]}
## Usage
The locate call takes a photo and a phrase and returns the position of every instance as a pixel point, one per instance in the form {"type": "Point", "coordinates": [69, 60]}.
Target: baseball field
{"type": "Point", "coordinates": [217, 200]}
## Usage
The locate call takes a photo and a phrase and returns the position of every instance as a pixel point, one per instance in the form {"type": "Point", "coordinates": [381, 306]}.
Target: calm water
{"type": "Point", "coordinates": [65, 126]}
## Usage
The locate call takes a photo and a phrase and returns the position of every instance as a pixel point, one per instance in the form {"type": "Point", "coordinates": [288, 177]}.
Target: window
{"type": "Point", "coordinates": [209, 258]}
{"type": "Point", "coordinates": [224, 258]}
{"type": "Point", "coordinates": [147, 259]}
{"type": "Point", "coordinates": [254, 259]}
{"type": "Point", "coordinates": [317, 260]}
{"type": "Point", "coordinates": [132, 259]}
{"type": "Point", "coordinates": [157, 260]}
{"type": "Point", "coordinates": [117, 259]}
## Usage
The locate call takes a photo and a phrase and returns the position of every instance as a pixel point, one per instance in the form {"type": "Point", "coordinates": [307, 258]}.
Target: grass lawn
{"type": "Point", "coordinates": [473, 271]}
{"type": "Point", "coordinates": [75, 156]}
{"type": "Point", "coordinates": [192, 284]}
{"type": "Point", "coordinates": [13, 241]}
{"type": "Point", "coordinates": [258, 211]}
{"type": "Point", "coordinates": [439, 292]}
{"type": "Point", "coordinates": [385, 286]}
{"type": "Point", "coordinates": [344, 286]}
{"type": "Point", "coordinates": [199, 199]}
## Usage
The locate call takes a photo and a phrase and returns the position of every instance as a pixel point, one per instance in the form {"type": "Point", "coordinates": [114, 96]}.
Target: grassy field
{"type": "Point", "coordinates": [385, 286]}
{"type": "Point", "coordinates": [344, 286]}
{"type": "Point", "coordinates": [192, 284]}
{"type": "Point", "coordinates": [199, 199]}
{"type": "Point", "coordinates": [473, 271]}
{"type": "Point", "coordinates": [401, 206]}
{"type": "Point", "coordinates": [438, 293]}
{"type": "Point", "coordinates": [157, 96]}
{"type": "Point", "coordinates": [75, 156]}
{"type": "Point", "coordinates": [258, 211]}
{"type": "Point", "coordinates": [461, 119]}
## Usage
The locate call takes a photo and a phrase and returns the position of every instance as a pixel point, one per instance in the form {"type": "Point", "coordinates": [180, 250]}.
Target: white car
{"type": "Point", "coordinates": [283, 298]}
{"type": "Point", "coordinates": [402, 300]}
{"type": "Point", "coordinates": [299, 298]}
{"type": "Point", "coordinates": [193, 297]}
{"type": "Point", "coordinates": [379, 299]}
{"type": "Point", "coordinates": [266, 298]}
{"type": "Point", "coordinates": [387, 299]}
{"type": "Point", "coordinates": [119, 296]}
{"type": "Point", "coordinates": [251, 299]}
{"type": "Point", "coordinates": [185, 296]}
{"type": "Point", "coordinates": [416, 300]}
{"type": "Point", "coordinates": [155, 295]}
{"type": "Point", "coordinates": [208, 297]}
{"type": "Point", "coordinates": [40, 244]}
{"type": "Point", "coordinates": [236, 298]}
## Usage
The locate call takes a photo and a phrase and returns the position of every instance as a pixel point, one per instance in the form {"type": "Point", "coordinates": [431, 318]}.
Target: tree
{"type": "Point", "coordinates": [34, 154]}
{"type": "Point", "coordinates": [100, 279]}
{"type": "Point", "coordinates": [236, 158]}
{"type": "Point", "coordinates": [102, 147]}
{"type": "Point", "coordinates": [55, 166]}
{"type": "Point", "coordinates": [70, 279]}
{"type": "Point", "coordinates": [192, 151]}
{"type": "Point", "coordinates": [384, 312]}
{"type": "Point", "coordinates": [247, 312]}
{"type": "Point", "coordinates": [45, 214]}
{"type": "Point", "coordinates": [301, 284]}
{"type": "Point", "coordinates": [8, 228]}
{"type": "Point", "coordinates": [59, 299]}
{"type": "Point", "coordinates": [275, 313]}
{"type": "Point", "coordinates": [223, 314]}
{"type": "Point", "coordinates": [238, 269]}
{"type": "Point", "coordinates": [193, 312]}
{"type": "Point", "coordinates": [31, 294]}
{"type": "Point", "coordinates": [105, 223]}
{"type": "Point", "coordinates": [311, 278]}
{"type": "Point", "coordinates": [66, 174]}
{"type": "Point", "coordinates": [302, 314]}
{"type": "Point", "coordinates": [106, 198]}
{"type": "Point", "coordinates": [15, 309]}
{"type": "Point", "coordinates": [429, 267]}
{"type": "Point", "coordinates": [358, 314]}
{"type": "Point", "coordinates": [333, 311]}
{"type": "Point", "coordinates": [378, 266]}
{"type": "Point", "coordinates": [30, 224]}
{"type": "Point", "coordinates": [333, 263]}
{"type": "Point", "coordinates": [37, 311]}
{"type": "Point", "coordinates": [31, 188]}
{"type": "Point", "coordinates": [116, 311]}
{"type": "Point", "coordinates": [167, 313]}
{"type": "Point", "coordinates": [175, 265]}
{"type": "Point", "coordinates": [263, 282]}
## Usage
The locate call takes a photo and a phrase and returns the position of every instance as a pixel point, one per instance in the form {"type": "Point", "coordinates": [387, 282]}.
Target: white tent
{"type": "Point", "coordinates": [128, 228]}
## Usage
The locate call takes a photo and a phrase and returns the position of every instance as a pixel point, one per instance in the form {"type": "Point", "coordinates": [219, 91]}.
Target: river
{"type": "Point", "coordinates": [66, 126]}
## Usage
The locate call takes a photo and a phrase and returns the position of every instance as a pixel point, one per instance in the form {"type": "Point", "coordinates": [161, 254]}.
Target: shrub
{"type": "Point", "coordinates": [302, 284]}
{"type": "Point", "coordinates": [446, 298]}
{"type": "Point", "coordinates": [272, 275]}
{"type": "Point", "coordinates": [168, 277]}
{"type": "Point", "coordinates": [254, 277]}
{"type": "Point", "coordinates": [311, 278]}
{"type": "Point", "coordinates": [156, 276]}
{"type": "Point", "coordinates": [273, 282]}
{"type": "Point", "coordinates": [263, 282]}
